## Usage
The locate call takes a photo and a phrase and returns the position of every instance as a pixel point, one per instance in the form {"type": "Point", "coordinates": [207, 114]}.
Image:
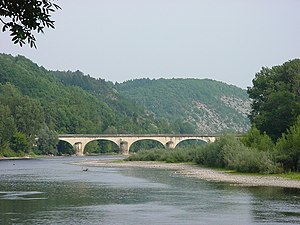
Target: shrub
{"type": "Point", "coordinates": [148, 155]}
{"type": "Point", "coordinates": [229, 152]}
{"type": "Point", "coordinates": [288, 148]}
{"type": "Point", "coordinates": [250, 160]}
{"type": "Point", "coordinates": [180, 155]}
{"type": "Point", "coordinates": [255, 139]}
{"type": "Point", "coordinates": [19, 142]}
{"type": "Point", "coordinates": [6, 152]}
{"type": "Point", "coordinates": [226, 152]}
{"type": "Point", "coordinates": [213, 154]}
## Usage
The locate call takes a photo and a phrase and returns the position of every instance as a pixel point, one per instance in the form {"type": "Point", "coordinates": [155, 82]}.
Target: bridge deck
{"type": "Point", "coordinates": [138, 135]}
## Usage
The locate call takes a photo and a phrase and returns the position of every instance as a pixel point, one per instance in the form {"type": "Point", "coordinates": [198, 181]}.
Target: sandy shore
{"type": "Point", "coordinates": [202, 173]}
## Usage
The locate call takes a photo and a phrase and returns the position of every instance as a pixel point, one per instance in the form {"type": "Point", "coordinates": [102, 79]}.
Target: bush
{"type": "Point", "coordinates": [149, 155]}
{"type": "Point", "coordinates": [229, 152]}
{"type": "Point", "coordinates": [180, 155]}
{"type": "Point", "coordinates": [19, 142]}
{"type": "Point", "coordinates": [168, 155]}
{"type": "Point", "coordinates": [250, 160]}
{"type": "Point", "coordinates": [47, 141]}
{"type": "Point", "coordinates": [10, 153]}
{"type": "Point", "coordinates": [213, 154]}
{"type": "Point", "coordinates": [288, 148]}
{"type": "Point", "coordinates": [254, 139]}
{"type": "Point", "coordinates": [226, 152]}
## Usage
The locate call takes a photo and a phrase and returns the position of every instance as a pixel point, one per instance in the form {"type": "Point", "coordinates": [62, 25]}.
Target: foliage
{"type": "Point", "coordinates": [22, 17]}
{"type": "Point", "coordinates": [32, 98]}
{"type": "Point", "coordinates": [191, 105]}
{"type": "Point", "coordinates": [29, 116]}
{"type": "Point", "coordinates": [288, 147]}
{"type": "Point", "coordinates": [213, 154]}
{"type": "Point", "coordinates": [276, 98]}
{"type": "Point", "coordinates": [254, 139]}
{"type": "Point", "coordinates": [47, 141]}
{"type": "Point", "coordinates": [227, 152]}
{"type": "Point", "coordinates": [149, 155]}
{"type": "Point", "coordinates": [73, 102]}
{"type": "Point", "coordinates": [145, 144]}
{"type": "Point", "coordinates": [275, 108]}
{"type": "Point", "coordinates": [19, 142]}
{"type": "Point", "coordinates": [64, 148]}
{"type": "Point", "coordinates": [244, 159]}
{"type": "Point", "coordinates": [179, 155]}
{"type": "Point", "coordinates": [7, 125]}
{"type": "Point", "coordinates": [6, 152]}
{"type": "Point", "coordinates": [101, 146]}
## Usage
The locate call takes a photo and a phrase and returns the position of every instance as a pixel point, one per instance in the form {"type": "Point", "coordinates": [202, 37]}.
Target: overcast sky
{"type": "Point", "coordinates": [118, 40]}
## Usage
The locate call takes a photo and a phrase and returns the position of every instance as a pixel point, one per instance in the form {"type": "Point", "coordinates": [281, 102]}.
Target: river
{"type": "Point", "coordinates": [54, 191]}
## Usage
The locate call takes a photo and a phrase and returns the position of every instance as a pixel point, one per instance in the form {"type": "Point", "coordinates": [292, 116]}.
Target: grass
{"type": "Point", "coordinates": [290, 175]}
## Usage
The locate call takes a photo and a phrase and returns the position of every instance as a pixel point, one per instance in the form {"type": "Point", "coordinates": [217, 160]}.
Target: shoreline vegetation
{"type": "Point", "coordinates": [198, 172]}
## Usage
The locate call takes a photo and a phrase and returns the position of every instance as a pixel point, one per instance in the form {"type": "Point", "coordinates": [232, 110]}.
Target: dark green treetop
{"type": "Point", "coordinates": [276, 98]}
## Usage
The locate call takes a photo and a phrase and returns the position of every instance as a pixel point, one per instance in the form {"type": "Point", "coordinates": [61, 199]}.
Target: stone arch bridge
{"type": "Point", "coordinates": [124, 141]}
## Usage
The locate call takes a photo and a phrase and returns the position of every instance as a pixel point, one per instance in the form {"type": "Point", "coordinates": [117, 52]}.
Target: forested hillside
{"type": "Point", "coordinates": [71, 102]}
{"type": "Point", "coordinates": [37, 104]}
{"type": "Point", "coordinates": [205, 106]}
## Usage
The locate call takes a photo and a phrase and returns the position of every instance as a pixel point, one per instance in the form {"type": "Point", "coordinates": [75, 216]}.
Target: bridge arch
{"type": "Point", "coordinates": [190, 143]}
{"type": "Point", "coordinates": [65, 148]}
{"type": "Point", "coordinates": [103, 139]}
{"type": "Point", "coordinates": [152, 142]}
{"type": "Point", "coordinates": [205, 139]}
{"type": "Point", "coordinates": [101, 145]}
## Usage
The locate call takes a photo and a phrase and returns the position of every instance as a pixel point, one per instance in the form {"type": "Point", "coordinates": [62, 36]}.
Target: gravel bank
{"type": "Point", "coordinates": [202, 173]}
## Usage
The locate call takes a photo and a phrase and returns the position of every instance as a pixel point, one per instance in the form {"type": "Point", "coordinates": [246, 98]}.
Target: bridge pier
{"type": "Point", "coordinates": [79, 148]}
{"type": "Point", "coordinates": [170, 145]}
{"type": "Point", "coordinates": [124, 148]}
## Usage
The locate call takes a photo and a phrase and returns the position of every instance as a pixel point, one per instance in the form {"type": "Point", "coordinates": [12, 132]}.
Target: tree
{"type": "Point", "coordinates": [276, 98]}
{"type": "Point", "coordinates": [288, 147]}
{"type": "Point", "coordinates": [22, 17]}
{"type": "Point", "coordinates": [29, 117]}
{"type": "Point", "coordinates": [254, 139]}
{"type": "Point", "coordinates": [19, 142]}
{"type": "Point", "coordinates": [7, 125]}
{"type": "Point", "coordinates": [47, 141]}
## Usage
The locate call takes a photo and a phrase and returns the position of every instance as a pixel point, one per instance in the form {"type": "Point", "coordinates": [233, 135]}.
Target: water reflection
{"type": "Point", "coordinates": [276, 205]}
{"type": "Point", "coordinates": [53, 191]}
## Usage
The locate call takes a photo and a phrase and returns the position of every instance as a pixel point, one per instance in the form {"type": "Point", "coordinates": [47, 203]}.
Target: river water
{"type": "Point", "coordinates": [54, 191]}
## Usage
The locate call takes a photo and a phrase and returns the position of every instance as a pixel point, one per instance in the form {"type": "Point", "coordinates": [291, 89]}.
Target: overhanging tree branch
{"type": "Point", "coordinates": [24, 17]}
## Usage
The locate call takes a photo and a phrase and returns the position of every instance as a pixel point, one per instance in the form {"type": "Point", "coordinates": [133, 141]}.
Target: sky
{"type": "Point", "coordinates": [119, 40]}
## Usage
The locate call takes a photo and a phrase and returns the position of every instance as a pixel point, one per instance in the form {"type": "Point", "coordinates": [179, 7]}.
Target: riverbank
{"type": "Point", "coordinates": [198, 172]}
{"type": "Point", "coordinates": [16, 157]}
{"type": "Point", "coordinates": [26, 157]}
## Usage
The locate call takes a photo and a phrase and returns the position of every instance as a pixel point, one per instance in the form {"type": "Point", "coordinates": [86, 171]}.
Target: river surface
{"type": "Point", "coordinates": [54, 191]}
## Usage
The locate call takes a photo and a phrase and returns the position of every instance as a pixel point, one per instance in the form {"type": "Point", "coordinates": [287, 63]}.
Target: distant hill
{"type": "Point", "coordinates": [72, 102]}
{"type": "Point", "coordinates": [205, 106]}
